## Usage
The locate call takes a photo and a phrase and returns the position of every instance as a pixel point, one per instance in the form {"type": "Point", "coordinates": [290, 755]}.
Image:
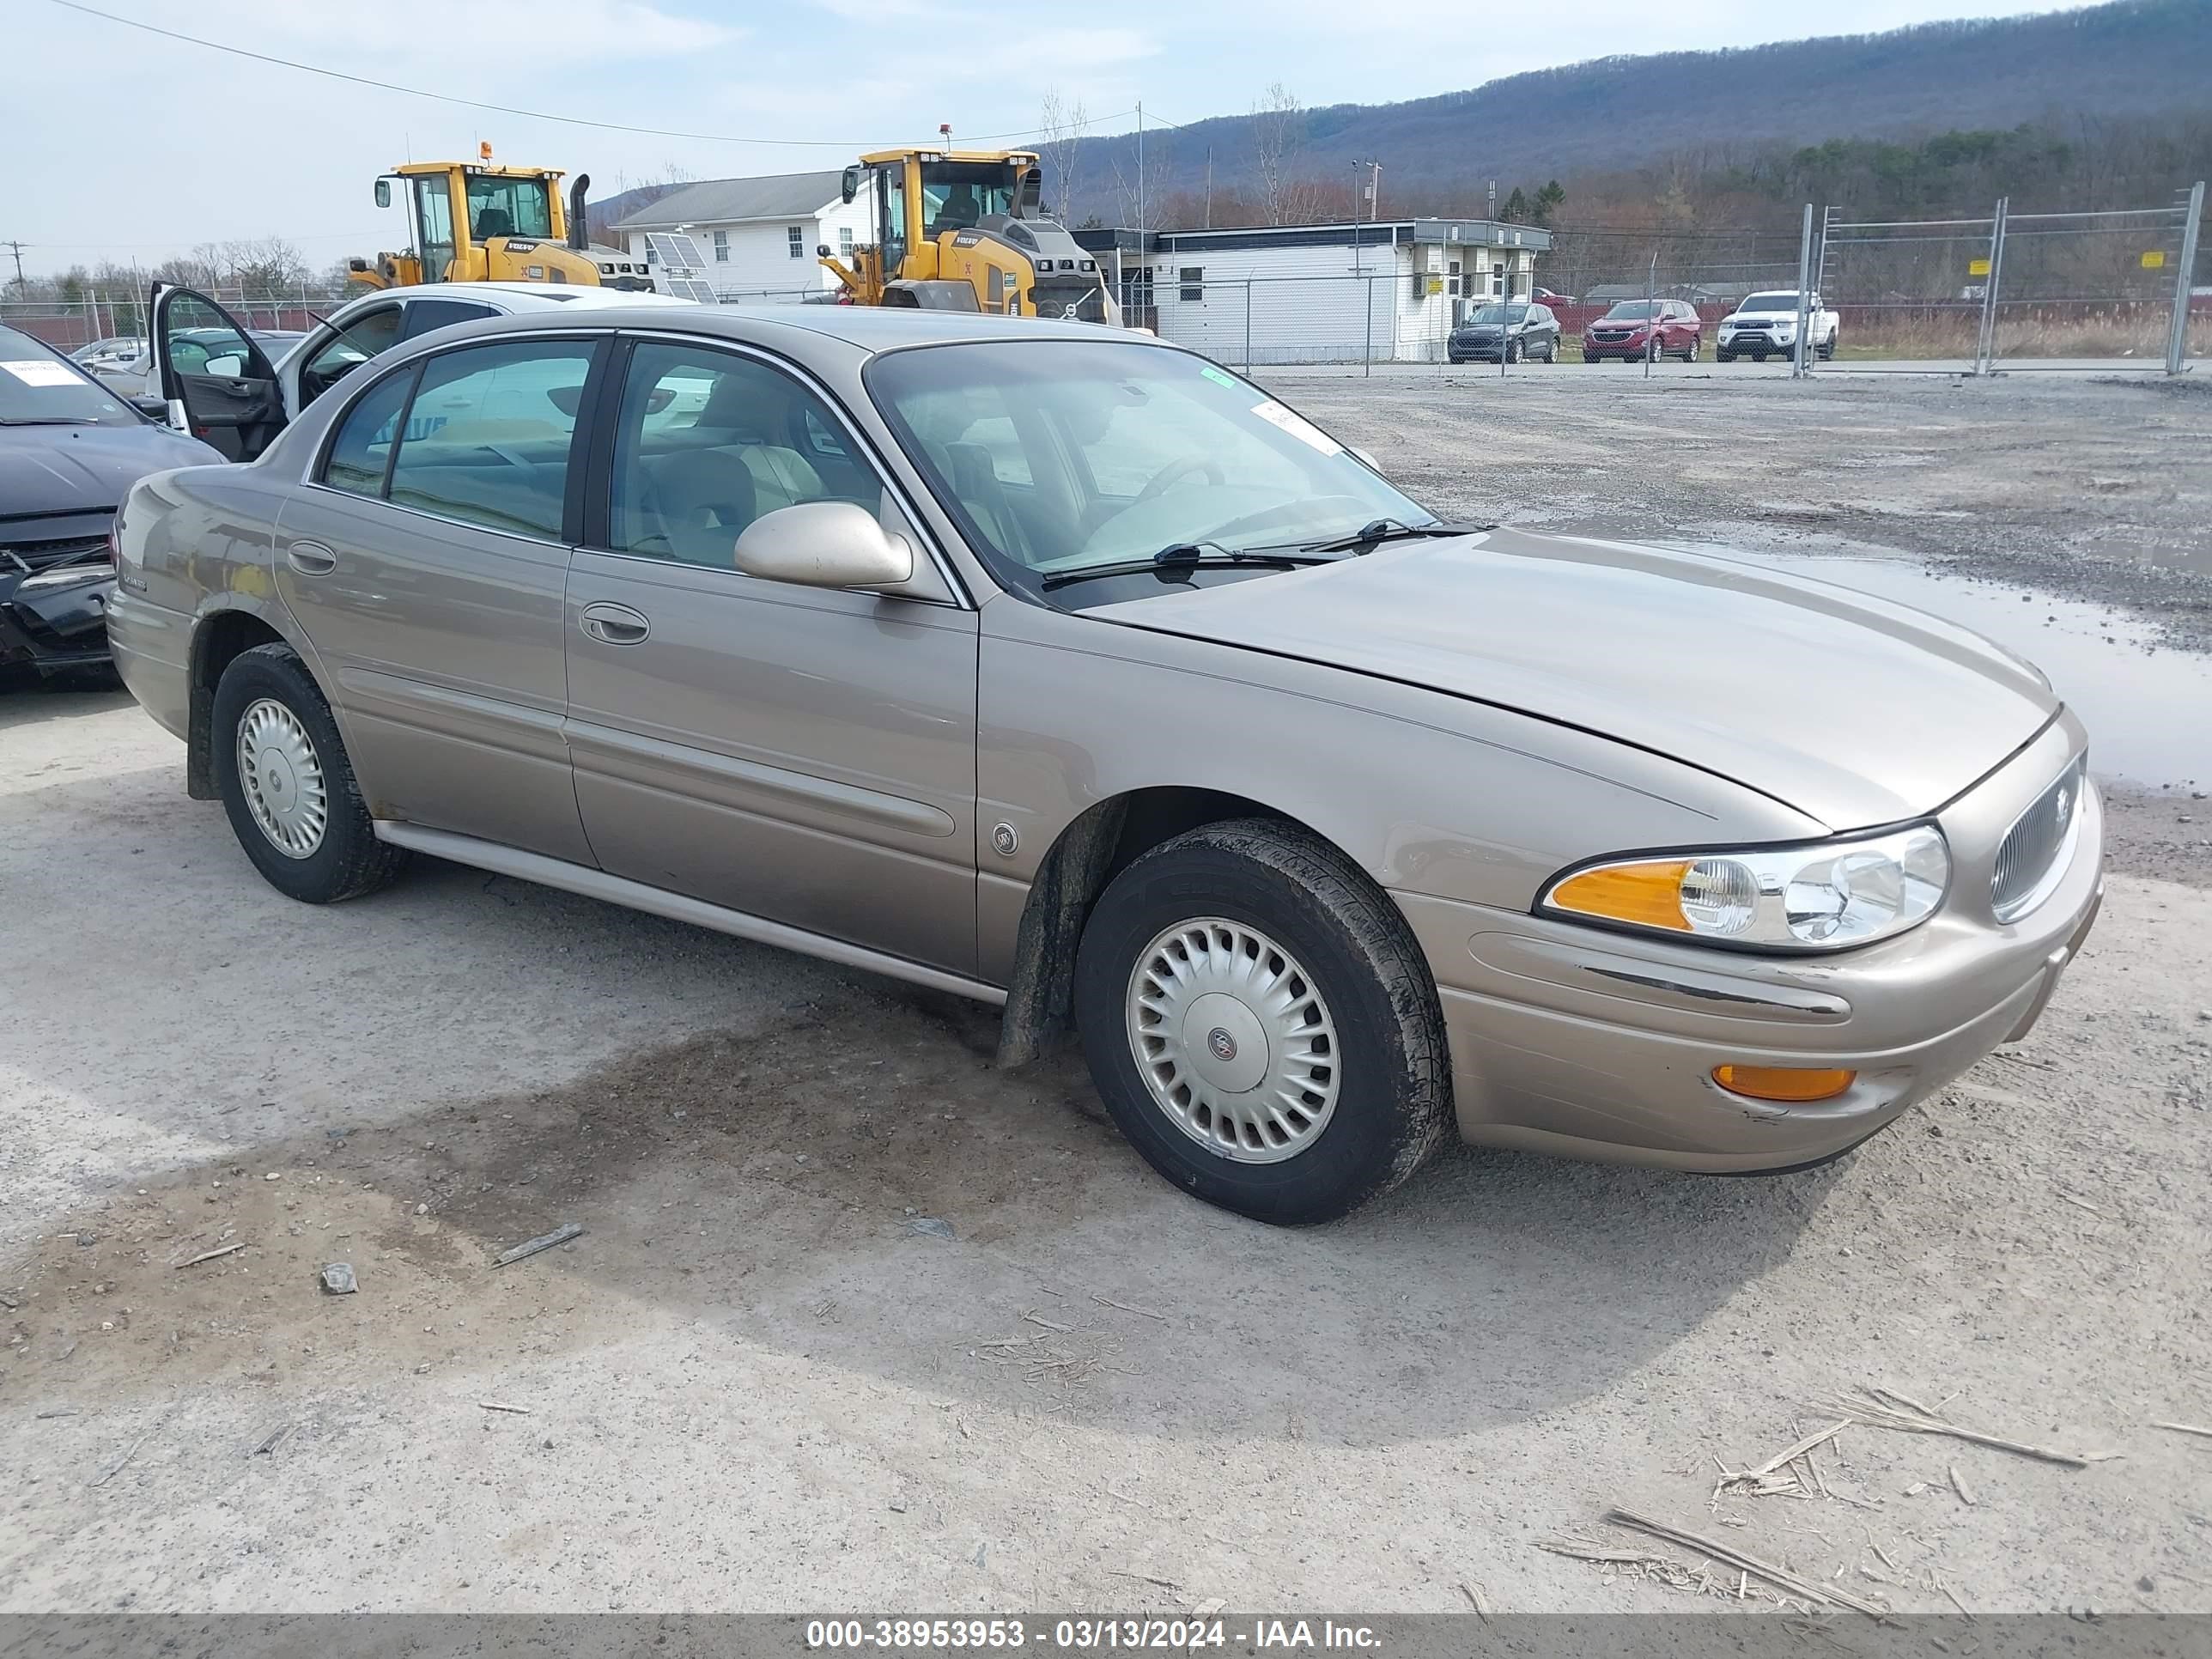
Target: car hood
{"type": "Point", "coordinates": [1849, 709]}
{"type": "Point", "coordinates": [46, 469]}
{"type": "Point", "coordinates": [1742, 317]}
{"type": "Point", "coordinates": [1619, 322]}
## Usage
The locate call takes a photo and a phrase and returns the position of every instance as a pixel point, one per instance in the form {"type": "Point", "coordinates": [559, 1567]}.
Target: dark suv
{"type": "Point", "coordinates": [1637, 329]}
{"type": "Point", "coordinates": [1519, 330]}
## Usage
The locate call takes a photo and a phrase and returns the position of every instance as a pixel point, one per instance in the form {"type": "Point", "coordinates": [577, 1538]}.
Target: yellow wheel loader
{"type": "Point", "coordinates": [961, 230]}
{"type": "Point", "coordinates": [483, 223]}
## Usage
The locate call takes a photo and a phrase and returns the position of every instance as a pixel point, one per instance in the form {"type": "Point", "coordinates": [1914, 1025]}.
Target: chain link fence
{"type": "Point", "coordinates": [2110, 288]}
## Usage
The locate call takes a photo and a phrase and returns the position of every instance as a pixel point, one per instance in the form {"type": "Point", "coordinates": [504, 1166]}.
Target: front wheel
{"type": "Point", "coordinates": [1690, 352]}
{"type": "Point", "coordinates": [283, 773]}
{"type": "Point", "coordinates": [1513, 352]}
{"type": "Point", "coordinates": [1261, 1024]}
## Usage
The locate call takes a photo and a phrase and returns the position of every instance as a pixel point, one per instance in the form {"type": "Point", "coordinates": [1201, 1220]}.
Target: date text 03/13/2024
{"type": "Point", "coordinates": [1082, 1635]}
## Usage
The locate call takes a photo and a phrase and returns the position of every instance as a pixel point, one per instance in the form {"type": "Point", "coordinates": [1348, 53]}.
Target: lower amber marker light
{"type": "Point", "coordinates": [1785, 1083]}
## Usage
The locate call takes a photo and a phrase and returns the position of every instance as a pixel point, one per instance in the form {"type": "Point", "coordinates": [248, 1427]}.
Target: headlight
{"type": "Point", "coordinates": [65, 575]}
{"type": "Point", "coordinates": [1825, 896]}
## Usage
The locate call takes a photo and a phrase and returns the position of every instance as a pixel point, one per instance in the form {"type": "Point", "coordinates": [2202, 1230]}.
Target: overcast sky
{"type": "Point", "coordinates": [122, 145]}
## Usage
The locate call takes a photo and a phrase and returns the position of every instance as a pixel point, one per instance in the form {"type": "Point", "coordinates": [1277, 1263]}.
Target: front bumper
{"type": "Point", "coordinates": [55, 629]}
{"type": "Point", "coordinates": [1595, 1044]}
{"type": "Point", "coordinates": [1634, 348]}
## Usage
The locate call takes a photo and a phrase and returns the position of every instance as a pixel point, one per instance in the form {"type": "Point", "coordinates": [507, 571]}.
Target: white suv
{"type": "Point", "coordinates": [1765, 325]}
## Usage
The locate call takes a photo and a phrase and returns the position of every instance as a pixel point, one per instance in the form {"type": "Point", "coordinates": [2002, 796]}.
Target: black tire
{"type": "Point", "coordinates": [1394, 1088]}
{"type": "Point", "coordinates": [1828, 351]}
{"type": "Point", "coordinates": [1512, 350]}
{"type": "Point", "coordinates": [1690, 352]}
{"type": "Point", "coordinates": [1720, 356]}
{"type": "Point", "coordinates": [348, 860]}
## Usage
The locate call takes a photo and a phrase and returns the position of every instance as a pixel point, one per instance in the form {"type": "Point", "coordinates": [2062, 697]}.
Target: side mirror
{"type": "Point", "coordinates": [153, 408]}
{"type": "Point", "coordinates": [1365, 459]}
{"type": "Point", "coordinates": [384, 192]}
{"type": "Point", "coordinates": [851, 184]}
{"type": "Point", "coordinates": [823, 545]}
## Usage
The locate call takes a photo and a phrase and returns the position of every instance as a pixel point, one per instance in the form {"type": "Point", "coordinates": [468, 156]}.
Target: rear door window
{"type": "Point", "coordinates": [488, 435]}
{"type": "Point", "coordinates": [362, 450]}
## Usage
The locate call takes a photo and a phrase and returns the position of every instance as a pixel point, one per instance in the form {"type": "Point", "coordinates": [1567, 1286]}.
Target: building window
{"type": "Point", "coordinates": [1454, 285]}
{"type": "Point", "coordinates": [721, 248]}
{"type": "Point", "coordinates": [651, 253]}
{"type": "Point", "coordinates": [1497, 280]}
{"type": "Point", "coordinates": [844, 241]}
{"type": "Point", "coordinates": [796, 235]}
{"type": "Point", "coordinates": [1193, 279]}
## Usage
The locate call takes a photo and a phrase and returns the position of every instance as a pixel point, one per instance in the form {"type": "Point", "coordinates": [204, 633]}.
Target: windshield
{"type": "Point", "coordinates": [508, 207]}
{"type": "Point", "coordinates": [1635, 310]}
{"type": "Point", "coordinates": [957, 194]}
{"type": "Point", "coordinates": [1059, 455]}
{"type": "Point", "coordinates": [1495, 314]}
{"type": "Point", "coordinates": [38, 386]}
{"type": "Point", "coordinates": [1770, 302]}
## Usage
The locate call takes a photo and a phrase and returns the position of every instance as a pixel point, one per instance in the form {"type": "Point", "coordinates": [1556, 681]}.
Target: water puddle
{"type": "Point", "coordinates": [2148, 708]}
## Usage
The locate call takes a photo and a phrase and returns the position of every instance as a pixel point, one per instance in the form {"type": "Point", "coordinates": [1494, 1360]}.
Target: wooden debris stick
{"type": "Point", "coordinates": [560, 1235]}
{"type": "Point", "coordinates": [1791, 1454]}
{"type": "Point", "coordinates": [1144, 1313]}
{"type": "Point", "coordinates": [209, 1255]}
{"type": "Point", "coordinates": [498, 1405]}
{"type": "Point", "coordinates": [2184, 1428]}
{"type": "Point", "coordinates": [125, 1463]}
{"type": "Point", "coordinates": [1882, 1417]}
{"type": "Point", "coordinates": [1744, 1563]}
{"type": "Point", "coordinates": [1959, 1485]}
{"type": "Point", "coordinates": [1476, 1599]}
{"type": "Point", "coordinates": [1036, 1318]}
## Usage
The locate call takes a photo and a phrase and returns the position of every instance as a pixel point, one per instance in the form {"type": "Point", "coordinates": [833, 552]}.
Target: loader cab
{"type": "Point", "coordinates": [454, 211]}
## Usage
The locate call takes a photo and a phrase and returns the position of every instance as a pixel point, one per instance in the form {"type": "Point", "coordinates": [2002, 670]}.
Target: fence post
{"type": "Point", "coordinates": [1367, 299]}
{"type": "Point", "coordinates": [2177, 338]}
{"type": "Point", "coordinates": [1650, 321]}
{"type": "Point", "coordinates": [1248, 325]}
{"type": "Point", "coordinates": [1803, 358]}
{"type": "Point", "coordinates": [1986, 341]}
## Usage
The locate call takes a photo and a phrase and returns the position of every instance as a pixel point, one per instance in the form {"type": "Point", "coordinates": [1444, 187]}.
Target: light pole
{"type": "Point", "coordinates": [1371, 193]}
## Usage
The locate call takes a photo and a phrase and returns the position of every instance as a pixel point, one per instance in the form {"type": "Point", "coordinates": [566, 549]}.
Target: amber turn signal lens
{"type": "Point", "coordinates": [1788, 1083]}
{"type": "Point", "coordinates": [1649, 894]}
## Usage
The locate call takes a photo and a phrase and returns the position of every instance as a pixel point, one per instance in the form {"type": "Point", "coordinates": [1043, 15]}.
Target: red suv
{"type": "Point", "coordinates": [1636, 329]}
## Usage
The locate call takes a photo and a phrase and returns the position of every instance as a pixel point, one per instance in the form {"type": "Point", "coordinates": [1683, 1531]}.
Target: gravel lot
{"type": "Point", "coordinates": [759, 1380]}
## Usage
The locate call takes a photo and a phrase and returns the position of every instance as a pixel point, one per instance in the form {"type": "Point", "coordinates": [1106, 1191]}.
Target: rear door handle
{"type": "Point", "coordinates": [311, 558]}
{"type": "Point", "coordinates": [615, 624]}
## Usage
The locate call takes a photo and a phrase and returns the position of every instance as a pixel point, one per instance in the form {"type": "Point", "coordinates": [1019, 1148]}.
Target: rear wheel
{"type": "Point", "coordinates": [282, 770]}
{"type": "Point", "coordinates": [1690, 352]}
{"type": "Point", "coordinates": [1261, 1024]}
{"type": "Point", "coordinates": [1828, 351]}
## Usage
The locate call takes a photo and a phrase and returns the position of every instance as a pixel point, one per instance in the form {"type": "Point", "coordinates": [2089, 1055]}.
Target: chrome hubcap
{"type": "Point", "coordinates": [1233, 1040]}
{"type": "Point", "coordinates": [282, 779]}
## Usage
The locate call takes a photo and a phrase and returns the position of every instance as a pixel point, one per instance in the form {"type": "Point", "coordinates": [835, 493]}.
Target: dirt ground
{"type": "Point", "coordinates": [859, 1322]}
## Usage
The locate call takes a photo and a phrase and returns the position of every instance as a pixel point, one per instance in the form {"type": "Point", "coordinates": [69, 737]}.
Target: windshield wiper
{"type": "Point", "coordinates": [1391, 530]}
{"type": "Point", "coordinates": [47, 420]}
{"type": "Point", "coordinates": [1178, 556]}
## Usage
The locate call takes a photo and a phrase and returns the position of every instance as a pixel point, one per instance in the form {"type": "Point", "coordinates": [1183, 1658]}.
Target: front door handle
{"type": "Point", "coordinates": [615, 624]}
{"type": "Point", "coordinates": [311, 558]}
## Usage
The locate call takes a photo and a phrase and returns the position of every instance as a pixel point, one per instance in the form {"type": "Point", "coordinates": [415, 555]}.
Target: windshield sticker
{"type": "Point", "coordinates": [38, 371]}
{"type": "Point", "coordinates": [1219, 378]}
{"type": "Point", "coordinates": [1298, 426]}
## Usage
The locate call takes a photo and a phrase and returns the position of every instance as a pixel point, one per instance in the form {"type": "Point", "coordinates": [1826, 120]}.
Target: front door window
{"type": "Point", "coordinates": [434, 219]}
{"type": "Point", "coordinates": [890, 218]}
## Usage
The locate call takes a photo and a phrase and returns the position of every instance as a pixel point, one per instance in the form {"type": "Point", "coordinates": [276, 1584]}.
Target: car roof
{"type": "Point", "coordinates": [819, 332]}
{"type": "Point", "coordinates": [527, 296]}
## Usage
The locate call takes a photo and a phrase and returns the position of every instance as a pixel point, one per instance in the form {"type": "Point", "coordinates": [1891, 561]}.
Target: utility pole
{"type": "Point", "coordinates": [1140, 166]}
{"type": "Point", "coordinates": [17, 248]}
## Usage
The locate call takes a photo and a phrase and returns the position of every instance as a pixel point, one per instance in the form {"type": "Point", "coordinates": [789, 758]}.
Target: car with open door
{"type": "Point", "coordinates": [1060, 668]}
{"type": "Point", "coordinates": [201, 341]}
{"type": "Point", "coordinates": [70, 451]}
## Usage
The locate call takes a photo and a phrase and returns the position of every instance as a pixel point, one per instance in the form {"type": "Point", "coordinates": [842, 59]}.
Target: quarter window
{"type": "Point", "coordinates": [363, 447]}
{"type": "Point", "coordinates": [796, 236]}
{"type": "Point", "coordinates": [489, 434]}
{"type": "Point", "coordinates": [708, 441]}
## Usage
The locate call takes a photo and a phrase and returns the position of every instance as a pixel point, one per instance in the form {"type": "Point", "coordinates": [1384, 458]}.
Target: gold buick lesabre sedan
{"type": "Point", "coordinates": [1063, 669]}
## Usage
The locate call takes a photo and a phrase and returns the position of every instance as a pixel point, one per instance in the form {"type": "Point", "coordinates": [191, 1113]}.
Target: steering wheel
{"type": "Point", "coordinates": [1175, 470]}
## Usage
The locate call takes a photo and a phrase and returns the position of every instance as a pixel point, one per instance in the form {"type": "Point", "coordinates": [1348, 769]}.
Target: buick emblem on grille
{"type": "Point", "coordinates": [1223, 1044]}
{"type": "Point", "coordinates": [2061, 806]}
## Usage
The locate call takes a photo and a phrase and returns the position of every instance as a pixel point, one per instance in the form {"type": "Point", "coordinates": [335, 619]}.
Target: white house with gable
{"type": "Point", "coordinates": [759, 236]}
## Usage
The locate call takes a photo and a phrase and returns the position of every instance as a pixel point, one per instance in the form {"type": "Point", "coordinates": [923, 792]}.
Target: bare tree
{"type": "Point", "coordinates": [1287, 195]}
{"type": "Point", "coordinates": [1063, 124]}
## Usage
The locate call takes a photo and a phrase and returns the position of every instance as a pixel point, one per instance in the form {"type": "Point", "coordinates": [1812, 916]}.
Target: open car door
{"type": "Point", "coordinates": [218, 384]}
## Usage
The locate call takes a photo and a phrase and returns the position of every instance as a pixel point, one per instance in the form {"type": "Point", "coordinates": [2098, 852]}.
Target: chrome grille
{"type": "Point", "coordinates": [2038, 847]}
